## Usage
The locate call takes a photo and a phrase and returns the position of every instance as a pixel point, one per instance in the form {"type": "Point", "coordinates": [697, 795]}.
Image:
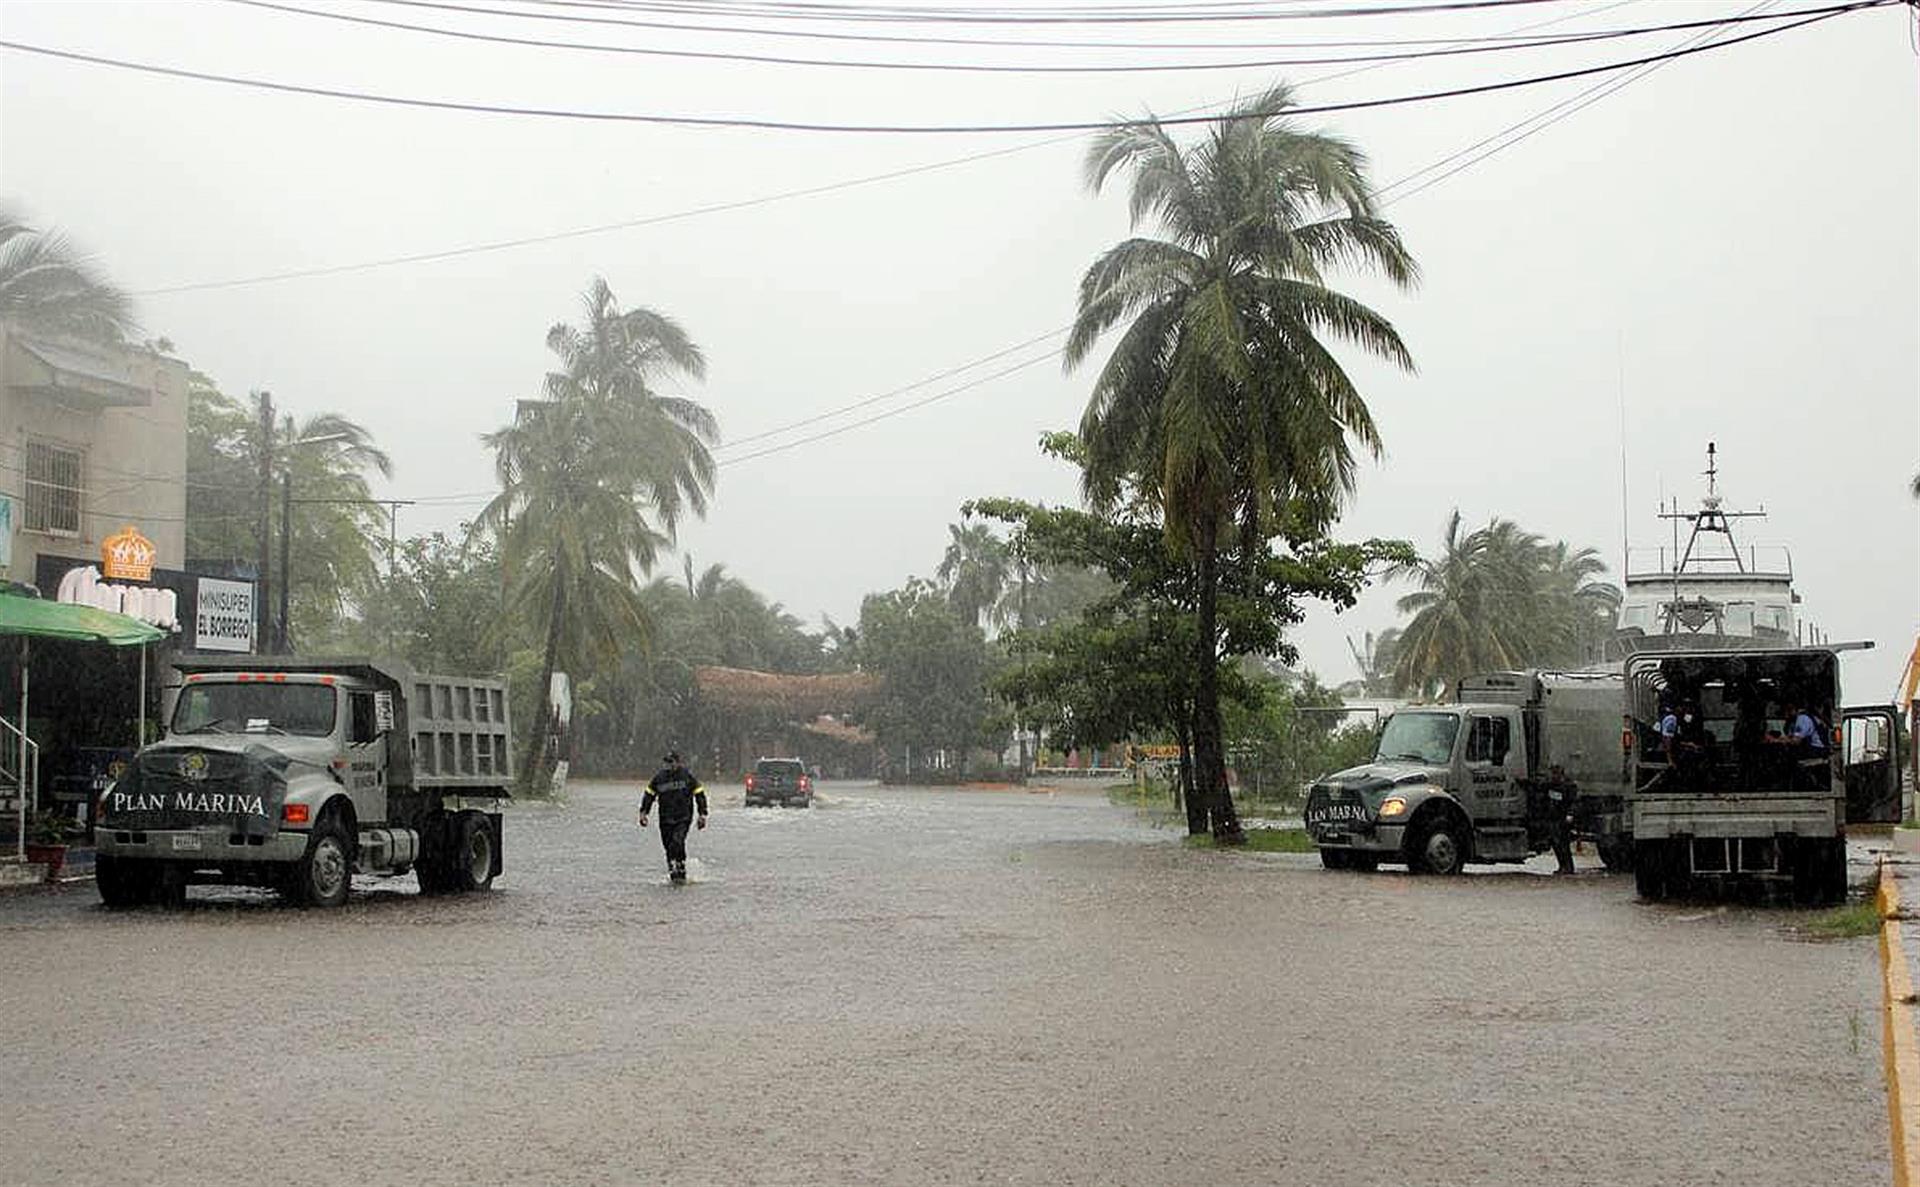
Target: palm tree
{"type": "Point", "coordinates": [594, 480]}
{"type": "Point", "coordinates": [1222, 402]}
{"type": "Point", "coordinates": [975, 570]}
{"type": "Point", "coordinates": [49, 285]}
{"type": "Point", "coordinates": [1499, 598]}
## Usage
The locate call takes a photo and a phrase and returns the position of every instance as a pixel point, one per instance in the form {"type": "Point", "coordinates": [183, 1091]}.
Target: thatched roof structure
{"type": "Point", "coordinates": [839, 731]}
{"type": "Point", "coordinates": [797, 698]}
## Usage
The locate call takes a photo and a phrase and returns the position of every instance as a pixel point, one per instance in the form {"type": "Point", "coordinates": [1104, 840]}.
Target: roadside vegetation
{"type": "Point", "coordinates": [1262, 840]}
{"type": "Point", "coordinates": [1845, 923]}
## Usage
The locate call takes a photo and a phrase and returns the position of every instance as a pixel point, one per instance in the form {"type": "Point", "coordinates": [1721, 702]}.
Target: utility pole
{"type": "Point", "coordinates": [262, 534]}
{"type": "Point", "coordinates": [286, 561]}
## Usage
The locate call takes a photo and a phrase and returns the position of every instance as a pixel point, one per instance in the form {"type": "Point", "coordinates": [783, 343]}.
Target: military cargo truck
{"type": "Point", "coordinates": [1733, 798]}
{"type": "Point", "coordinates": [1486, 779]}
{"type": "Point", "coordinates": [296, 774]}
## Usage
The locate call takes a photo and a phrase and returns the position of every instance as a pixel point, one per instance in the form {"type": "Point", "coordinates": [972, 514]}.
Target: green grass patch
{"type": "Point", "coordinates": [1846, 923]}
{"type": "Point", "coordinates": [1262, 840]}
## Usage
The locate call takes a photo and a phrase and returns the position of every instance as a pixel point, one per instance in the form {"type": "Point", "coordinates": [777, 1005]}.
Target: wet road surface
{"type": "Point", "coordinates": [918, 986]}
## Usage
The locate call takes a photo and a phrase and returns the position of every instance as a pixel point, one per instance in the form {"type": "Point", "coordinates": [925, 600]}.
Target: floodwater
{"type": "Point", "coordinates": [911, 986]}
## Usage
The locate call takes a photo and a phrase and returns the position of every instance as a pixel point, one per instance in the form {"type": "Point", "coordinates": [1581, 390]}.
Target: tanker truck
{"type": "Point", "coordinates": [1484, 779]}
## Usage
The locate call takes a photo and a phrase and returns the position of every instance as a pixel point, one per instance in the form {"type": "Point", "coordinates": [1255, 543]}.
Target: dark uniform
{"type": "Point", "coordinates": [679, 794]}
{"type": "Point", "coordinates": [1559, 796]}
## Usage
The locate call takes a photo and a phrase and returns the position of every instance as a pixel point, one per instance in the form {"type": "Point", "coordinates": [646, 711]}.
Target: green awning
{"type": "Point", "coordinates": [42, 619]}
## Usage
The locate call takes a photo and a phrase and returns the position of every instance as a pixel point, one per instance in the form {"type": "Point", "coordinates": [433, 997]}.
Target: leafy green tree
{"type": "Point", "coordinates": [594, 481]}
{"type": "Point", "coordinates": [935, 667]}
{"type": "Point", "coordinates": [1221, 398]}
{"type": "Point", "coordinates": [443, 609]}
{"type": "Point", "coordinates": [49, 285]}
{"type": "Point", "coordinates": [338, 549]}
{"type": "Point", "coordinates": [1124, 669]}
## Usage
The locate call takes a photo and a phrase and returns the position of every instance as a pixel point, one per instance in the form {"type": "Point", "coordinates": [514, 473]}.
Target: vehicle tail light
{"type": "Point", "coordinates": [296, 813]}
{"type": "Point", "coordinates": [749, 782]}
{"type": "Point", "coordinates": [806, 784]}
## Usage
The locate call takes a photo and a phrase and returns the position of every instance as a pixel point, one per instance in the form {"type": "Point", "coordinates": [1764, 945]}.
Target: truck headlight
{"type": "Point", "coordinates": [1393, 805]}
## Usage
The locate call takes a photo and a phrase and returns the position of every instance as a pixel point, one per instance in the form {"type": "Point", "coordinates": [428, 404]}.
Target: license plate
{"type": "Point", "coordinates": [186, 841]}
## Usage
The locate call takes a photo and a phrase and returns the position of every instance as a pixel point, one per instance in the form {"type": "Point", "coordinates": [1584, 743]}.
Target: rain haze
{"type": "Point", "coordinates": [1036, 867]}
{"type": "Point", "coordinates": [1723, 250]}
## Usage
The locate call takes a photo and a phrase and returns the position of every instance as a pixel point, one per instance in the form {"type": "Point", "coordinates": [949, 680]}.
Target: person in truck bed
{"type": "Point", "coordinates": [679, 794]}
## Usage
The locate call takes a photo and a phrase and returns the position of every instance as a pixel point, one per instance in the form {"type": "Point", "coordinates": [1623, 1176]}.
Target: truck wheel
{"type": "Point", "coordinates": [472, 857]}
{"type": "Point", "coordinates": [1616, 854]}
{"type": "Point", "coordinates": [324, 873]}
{"type": "Point", "coordinates": [1436, 848]}
{"type": "Point", "coordinates": [1336, 859]}
{"type": "Point", "coordinates": [1650, 870]}
{"type": "Point", "coordinates": [1820, 873]}
{"type": "Point", "coordinates": [122, 883]}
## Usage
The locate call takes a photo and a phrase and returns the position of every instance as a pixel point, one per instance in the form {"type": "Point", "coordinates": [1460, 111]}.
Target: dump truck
{"type": "Point", "coordinates": [296, 774]}
{"type": "Point", "coordinates": [1733, 798]}
{"type": "Point", "coordinates": [1487, 778]}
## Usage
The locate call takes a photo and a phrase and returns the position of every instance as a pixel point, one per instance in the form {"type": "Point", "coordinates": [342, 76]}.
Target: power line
{"type": "Point", "coordinates": [1235, 14]}
{"type": "Point", "coordinates": [1811, 16]}
{"type": "Point", "coordinates": [1539, 120]}
{"type": "Point", "coordinates": [901, 39]}
{"type": "Point", "coordinates": [816, 418]}
{"type": "Point", "coordinates": [1466, 47]}
{"type": "Point", "coordinates": [892, 412]}
{"type": "Point", "coordinates": [738, 204]}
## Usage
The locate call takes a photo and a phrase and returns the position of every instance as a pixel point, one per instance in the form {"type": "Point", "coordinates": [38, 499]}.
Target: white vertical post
{"type": "Point", "coordinates": [26, 672]}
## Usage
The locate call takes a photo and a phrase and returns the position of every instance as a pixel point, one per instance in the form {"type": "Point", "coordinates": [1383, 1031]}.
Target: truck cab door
{"type": "Point", "coordinates": [366, 759]}
{"type": "Point", "coordinates": [1870, 754]}
{"type": "Point", "coordinates": [1492, 792]}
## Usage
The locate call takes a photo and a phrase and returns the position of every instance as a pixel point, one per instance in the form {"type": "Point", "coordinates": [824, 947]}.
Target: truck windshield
{"type": "Point", "coordinates": [1418, 737]}
{"type": "Point", "coordinates": [304, 709]}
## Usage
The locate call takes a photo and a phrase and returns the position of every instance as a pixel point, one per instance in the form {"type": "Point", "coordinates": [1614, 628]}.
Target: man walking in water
{"type": "Point", "coordinates": [679, 794]}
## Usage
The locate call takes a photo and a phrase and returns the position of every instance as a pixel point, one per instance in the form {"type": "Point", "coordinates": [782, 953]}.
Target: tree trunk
{"type": "Point", "coordinates": [539, 758]}
{"type": "Point", "coordinates": [1195, 807]}
{"type": "Point", "coordinates": [1209, 745]}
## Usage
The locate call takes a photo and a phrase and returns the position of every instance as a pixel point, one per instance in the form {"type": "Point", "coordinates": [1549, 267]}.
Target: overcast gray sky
{"type": "Point", "coordinates": [1730, 243]}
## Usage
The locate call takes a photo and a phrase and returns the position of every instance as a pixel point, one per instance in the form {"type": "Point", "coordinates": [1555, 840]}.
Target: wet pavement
{"type": "Point", "coordinates": [908, 986]}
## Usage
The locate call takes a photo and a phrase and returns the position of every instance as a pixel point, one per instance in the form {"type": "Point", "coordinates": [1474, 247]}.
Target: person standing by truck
{"type": "Point", "coordinates": [679, 794]}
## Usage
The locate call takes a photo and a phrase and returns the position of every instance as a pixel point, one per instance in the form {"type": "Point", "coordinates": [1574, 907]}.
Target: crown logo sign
{"type": "Point", "coordinates": [127, 556]}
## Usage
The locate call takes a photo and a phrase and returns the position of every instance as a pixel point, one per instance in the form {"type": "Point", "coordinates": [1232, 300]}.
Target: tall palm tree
{"type": "Point", "coordinates": [974, 569]}
{"type": "Point", "coordinates": [1222, 400]}
{"type": "Point", "coordinates": [48, 284]}
{"type": "Point", "coordinates": [594, 480]}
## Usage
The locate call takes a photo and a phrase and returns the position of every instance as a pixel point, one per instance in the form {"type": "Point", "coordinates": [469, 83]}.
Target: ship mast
{"type": "Point", "coordinates": [1712, 519]}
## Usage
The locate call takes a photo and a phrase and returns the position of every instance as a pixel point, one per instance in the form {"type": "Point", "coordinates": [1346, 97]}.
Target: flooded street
{"type": "Point", "coordinates": [916, 986]}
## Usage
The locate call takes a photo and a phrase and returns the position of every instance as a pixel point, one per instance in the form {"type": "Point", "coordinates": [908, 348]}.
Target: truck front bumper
{"type": "Point", "coordinates": [1363, 838]}
{"type": "Point", "coordinates": [205, 845]}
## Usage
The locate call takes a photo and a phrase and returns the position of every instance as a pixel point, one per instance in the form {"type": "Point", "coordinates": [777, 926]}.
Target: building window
{"type": "Point", "coordinates": [53, 489]}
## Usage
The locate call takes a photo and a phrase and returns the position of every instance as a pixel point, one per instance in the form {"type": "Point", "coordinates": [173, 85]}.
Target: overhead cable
{"type": "Point", "coordinates": [721, 207]}
{"type": "Point", "coordinates": [1239, 42]}
{"type": "Point", "coordinates": [1810, 17]}
{"type": "Point", "coordinates": [1407, 55]}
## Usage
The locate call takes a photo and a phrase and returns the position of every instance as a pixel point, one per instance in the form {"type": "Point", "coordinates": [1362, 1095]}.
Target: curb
{"type": "Point", "coordinates": [1902, 1040]}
